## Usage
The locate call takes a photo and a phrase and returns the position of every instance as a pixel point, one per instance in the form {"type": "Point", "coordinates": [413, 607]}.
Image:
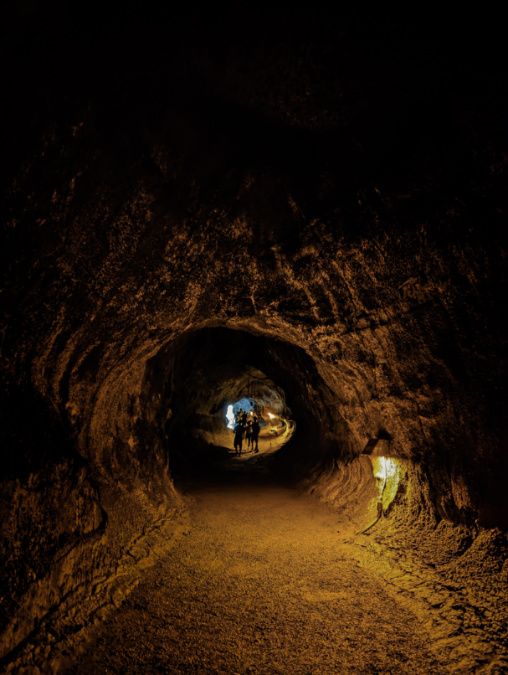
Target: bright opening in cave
{"type": "Point", "coordinates": [230, 417]}
{"type": "Point", "coordinates": [245, 405]}
{"type": "Point", "coordinates": [275, 427]}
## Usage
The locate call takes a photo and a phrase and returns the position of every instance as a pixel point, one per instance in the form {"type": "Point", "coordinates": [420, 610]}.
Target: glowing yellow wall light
{"type": "Point", "coordinates": [386, 470]}
{"type": "Point", "coordinates": [383, 467]}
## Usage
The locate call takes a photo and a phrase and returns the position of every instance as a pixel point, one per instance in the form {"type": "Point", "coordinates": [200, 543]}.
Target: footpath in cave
{"type": "Point", "coordinates": [264, 582]}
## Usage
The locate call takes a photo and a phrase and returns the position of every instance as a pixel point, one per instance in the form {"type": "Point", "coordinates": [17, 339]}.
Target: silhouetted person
{"type": "Point", "coordinates": [255, 434]}
{"type": "Point", "coordinates": [239, 429]}
{"type": "Point", "coordinates": [244, 418]}
{"type": "Point", "coordinates": [248, 433]}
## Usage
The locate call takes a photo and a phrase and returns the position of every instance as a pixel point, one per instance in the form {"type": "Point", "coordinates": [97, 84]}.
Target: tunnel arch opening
{"type": "Point", "coordinates": [195, 379]}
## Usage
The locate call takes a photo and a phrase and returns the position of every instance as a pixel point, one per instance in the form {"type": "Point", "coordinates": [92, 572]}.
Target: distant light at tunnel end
{"type": "Point", "coordinates": [230, 417]}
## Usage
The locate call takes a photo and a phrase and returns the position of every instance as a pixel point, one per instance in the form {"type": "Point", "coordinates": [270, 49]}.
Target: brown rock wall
{"type": "Point", "coordinates": [336, 193]}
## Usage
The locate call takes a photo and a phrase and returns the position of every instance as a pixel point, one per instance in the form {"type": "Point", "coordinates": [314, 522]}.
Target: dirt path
{"type": "Point", "coordinates": [260, 585]}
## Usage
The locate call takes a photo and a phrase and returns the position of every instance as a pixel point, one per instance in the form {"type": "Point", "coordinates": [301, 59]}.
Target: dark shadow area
{"type": "Point", "coordinates": [215, 468]}
{"type": "Point", "coordinates": [41, 469]}
{"type": "Point", "coordinates": [25, 448]}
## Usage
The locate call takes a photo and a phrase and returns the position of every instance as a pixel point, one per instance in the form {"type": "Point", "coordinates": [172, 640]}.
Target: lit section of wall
{"type": "Point", "coordinates": [387, 473]}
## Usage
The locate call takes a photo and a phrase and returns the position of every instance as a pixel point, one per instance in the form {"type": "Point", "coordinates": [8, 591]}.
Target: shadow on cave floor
{"type": "Point", "coordinates": [202, 464]}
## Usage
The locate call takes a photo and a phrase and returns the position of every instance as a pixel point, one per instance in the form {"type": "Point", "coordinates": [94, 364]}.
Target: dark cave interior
{"type": "Point", "coordinates": [307, 208]}
{"type": "Point", "coordinates": [214, 366]}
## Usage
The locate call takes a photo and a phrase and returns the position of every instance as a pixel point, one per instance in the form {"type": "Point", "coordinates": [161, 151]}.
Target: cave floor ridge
{"type": "Point", "coordinates": [261, 584]}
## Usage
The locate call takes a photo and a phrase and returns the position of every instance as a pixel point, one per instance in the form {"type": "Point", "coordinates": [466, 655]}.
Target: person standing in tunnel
{"type": "Point", "coordinates": [239, 429]}
{"type": "Point", "coordinates": [255, 434]}
{"type": "Point", "coordinates": [248, 434]}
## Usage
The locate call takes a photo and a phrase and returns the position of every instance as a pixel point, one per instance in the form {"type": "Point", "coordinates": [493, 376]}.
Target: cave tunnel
{"type": "Point", "coordinates": [301, 215]}
{"type": "Point", "coordinates": [214, 368]}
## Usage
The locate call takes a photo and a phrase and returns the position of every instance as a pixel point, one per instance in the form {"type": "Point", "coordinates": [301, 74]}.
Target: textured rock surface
{"type": "Point", "coordinates": [328, 191]}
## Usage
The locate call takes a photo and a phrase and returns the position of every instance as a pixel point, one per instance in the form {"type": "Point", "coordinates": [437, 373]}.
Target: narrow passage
{"type": "Point", "coordinates": [261, 584]}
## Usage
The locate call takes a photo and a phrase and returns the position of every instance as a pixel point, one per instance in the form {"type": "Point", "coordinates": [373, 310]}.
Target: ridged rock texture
{"type": "Point", "coordinates": [317, 197]}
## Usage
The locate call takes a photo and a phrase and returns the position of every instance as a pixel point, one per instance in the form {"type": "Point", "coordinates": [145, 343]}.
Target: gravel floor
{"type": "Point", "coordinates": [260, 585]}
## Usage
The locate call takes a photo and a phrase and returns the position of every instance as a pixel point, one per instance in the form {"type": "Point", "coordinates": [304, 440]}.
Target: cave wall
{"type": "Point", "coordinates": [324, 184]}
{"type": "Point", "coordinates": [402, 326]}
